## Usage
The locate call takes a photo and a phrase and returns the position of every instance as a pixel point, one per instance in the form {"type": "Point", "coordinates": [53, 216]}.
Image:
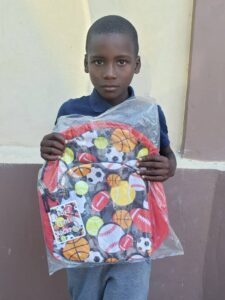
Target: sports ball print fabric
{"type": "Point", "coordinates": [95, 208]}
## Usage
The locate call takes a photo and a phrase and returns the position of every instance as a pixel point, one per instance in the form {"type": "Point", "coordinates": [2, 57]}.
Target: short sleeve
{"type": "Point", "coordinates": [61, 112]}
{"type": "Point", "coordinates": [65, 109]}
{"type": "Point", "coordinates": [164, 138]}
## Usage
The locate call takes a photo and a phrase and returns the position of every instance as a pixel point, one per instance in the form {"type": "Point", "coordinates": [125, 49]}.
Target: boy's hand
{"type": "Point", "coordinates": [158, 167]}
{"type": "Point", "coordinates": [52, 146]}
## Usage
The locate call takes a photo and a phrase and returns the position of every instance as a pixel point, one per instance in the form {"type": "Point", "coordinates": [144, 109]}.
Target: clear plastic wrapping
{"type": "Point", "coordinates": [95, 208]}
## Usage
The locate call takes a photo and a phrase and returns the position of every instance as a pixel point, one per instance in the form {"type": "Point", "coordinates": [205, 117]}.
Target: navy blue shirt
{"type": "Point", "coordinates": [94, 105]}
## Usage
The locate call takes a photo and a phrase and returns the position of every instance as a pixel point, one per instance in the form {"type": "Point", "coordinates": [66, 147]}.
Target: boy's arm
{"type": "Point", "coordinates": [158, 167]}
{"type": "Point", "coordinates": [168, 152]}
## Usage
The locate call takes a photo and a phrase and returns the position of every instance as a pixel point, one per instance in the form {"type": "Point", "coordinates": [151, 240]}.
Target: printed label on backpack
{"type": "Point", "coordinates": [66, 222]}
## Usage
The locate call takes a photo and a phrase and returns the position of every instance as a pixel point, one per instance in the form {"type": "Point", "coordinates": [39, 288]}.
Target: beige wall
{"type": "Point", "coordinates": [41, 58]}
{"type": "Point", "coordinates": [204, 134]}
{"type": "Point", "coordinates": [195, 197]}
{"type": "Point", "coordinates": [42, 63]}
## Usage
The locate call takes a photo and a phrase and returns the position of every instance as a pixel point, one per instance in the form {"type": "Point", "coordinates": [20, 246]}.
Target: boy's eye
{"type": "Point", "coordinates": [98, 62]}
{"type": "Point", "coordinates": [122, 62]}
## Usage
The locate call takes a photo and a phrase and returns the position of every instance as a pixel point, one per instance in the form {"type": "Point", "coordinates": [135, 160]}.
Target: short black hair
{"type": "Point", "coordinates": [113, 24]}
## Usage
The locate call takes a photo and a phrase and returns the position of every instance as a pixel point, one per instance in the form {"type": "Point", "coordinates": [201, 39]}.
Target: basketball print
{"type": "Point", "coordinates": [123, 140]}
{"type": "Point", "coordinates": [113, 179]}
{"type": "Point", "coordinates": [80, 171]}
{"type": "Point", "coordinates": [122, 218]}
{"type": "Point", "coordinates": [119, 214]}
{"type": "Point", "coordinates": [111, 260]}
{"type": "Point", "coordinates": [76, 250]}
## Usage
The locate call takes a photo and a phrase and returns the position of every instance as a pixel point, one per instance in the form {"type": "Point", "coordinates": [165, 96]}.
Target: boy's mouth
{"type": "Point", "coordinates": [110, 88]}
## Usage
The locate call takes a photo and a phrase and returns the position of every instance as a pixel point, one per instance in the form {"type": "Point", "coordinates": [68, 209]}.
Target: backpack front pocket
{"type": "Point", "coordinates": [111, 200]}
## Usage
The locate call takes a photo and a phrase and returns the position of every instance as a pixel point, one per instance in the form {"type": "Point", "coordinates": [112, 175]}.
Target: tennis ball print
{"type": "Point", "coordinates": [81, 188]}
{"type": "Point", "coordinates": [143, 152]}
{"type": "Point", "coordinates": [93, 224]}
{"type": "Point", "coordinates": [68, 156]}
{"type": "Point", "coordinates": [101, 142]}
{"type": "Point", "coordinates": [123, 194]}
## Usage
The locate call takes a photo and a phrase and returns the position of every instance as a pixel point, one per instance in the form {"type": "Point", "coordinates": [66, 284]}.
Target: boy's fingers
{"type": "Point", "coordinates": [155, 178]}
{"type": "Point", "coordinates": [153, 158]}
{"type": "Point", "coordinates": [154, 172]}
{"type": "Point", "coordinates": [51, 151]}
{"type": "Point", "coordinates": [149, 158]}
{"type": "Point", "coordinates": [153, 162]}
{"type": "Point", "coordinates": [52, 144]}
{"type": "Point", "coordinates": [50, 157]}
{"type": "Point", "coordinates": [153, 165]}
{"type": "Point", "coordinates": [59, 137]}
{"type": "Point", "coordinates": [54, 137]}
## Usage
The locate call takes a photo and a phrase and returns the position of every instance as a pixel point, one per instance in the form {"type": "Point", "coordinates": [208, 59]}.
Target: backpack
{"type": "Point", "coordinates": [95, 208]}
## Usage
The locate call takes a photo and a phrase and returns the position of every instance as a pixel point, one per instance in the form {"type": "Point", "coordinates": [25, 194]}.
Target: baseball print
{"type": "Point", "coordinates": [95, 207]}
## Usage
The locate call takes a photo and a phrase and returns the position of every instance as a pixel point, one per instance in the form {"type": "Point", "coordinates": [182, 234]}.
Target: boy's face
{"type": "Point", "coordinates": [111, 62]}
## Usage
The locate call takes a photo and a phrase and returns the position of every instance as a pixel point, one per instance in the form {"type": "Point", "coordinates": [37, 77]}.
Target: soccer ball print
{"type": "Point", "coordinates": [99, 174]}
{"type": "Point", "coordinates": [144, 244]}
{"type": "Point", "coordinates": [114, 156]}
{"type": "Point", "coordinates": [95, 257]}
{"type": "Point", "coordinates": [95, 176]}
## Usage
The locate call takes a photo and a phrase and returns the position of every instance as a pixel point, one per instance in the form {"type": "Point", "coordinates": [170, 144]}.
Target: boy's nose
{"type": "Point", "coordinates": [110, 72]}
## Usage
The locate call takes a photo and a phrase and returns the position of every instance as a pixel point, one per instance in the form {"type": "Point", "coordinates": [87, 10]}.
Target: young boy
{"type": "Point", "coordinates": [111, 60]}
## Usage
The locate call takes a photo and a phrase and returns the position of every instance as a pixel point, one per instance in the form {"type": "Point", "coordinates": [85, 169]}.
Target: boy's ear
{"type": "Point", "coordinates": [138, 65]}
{"type": "Point", "coordinates": [86, 64]}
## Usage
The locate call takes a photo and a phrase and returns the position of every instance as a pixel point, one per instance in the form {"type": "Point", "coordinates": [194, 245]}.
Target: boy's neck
{"type": "Point", "coordinates": [127, 94]}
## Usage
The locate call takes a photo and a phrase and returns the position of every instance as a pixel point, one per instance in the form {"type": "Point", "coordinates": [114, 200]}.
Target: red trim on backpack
{"type": "Point", "coordinates": [156, 195]}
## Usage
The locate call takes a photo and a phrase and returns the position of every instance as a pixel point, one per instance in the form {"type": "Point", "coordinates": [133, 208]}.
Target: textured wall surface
{"type": "Point", "coordinates": [41, 58]}
{"type": "Point", "coordinates": [205, 135]}
{"type": "Point", "coordinates": [196, 208]}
